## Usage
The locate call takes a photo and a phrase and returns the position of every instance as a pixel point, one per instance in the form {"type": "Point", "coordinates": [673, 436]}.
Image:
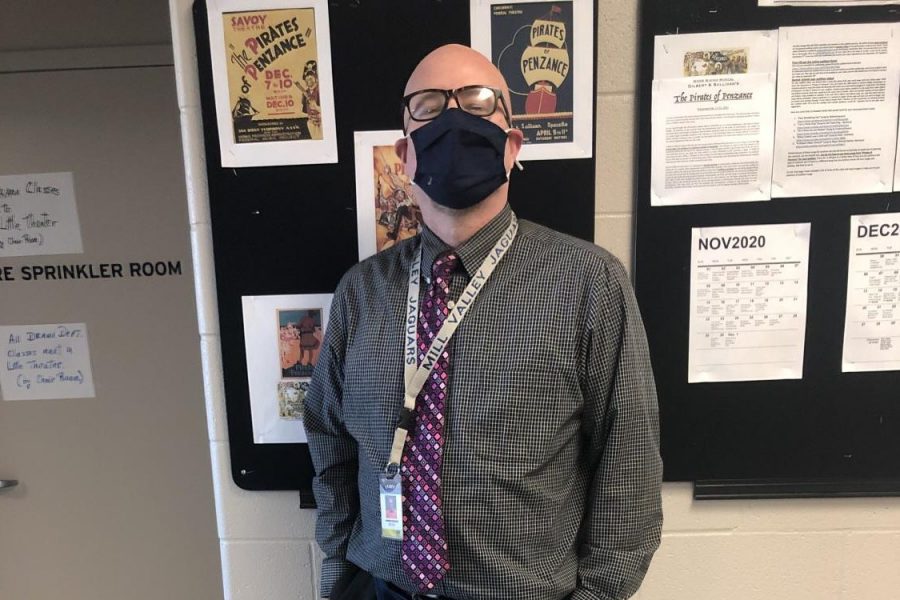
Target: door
{"type": "Point", "coordinates": [114, 499]}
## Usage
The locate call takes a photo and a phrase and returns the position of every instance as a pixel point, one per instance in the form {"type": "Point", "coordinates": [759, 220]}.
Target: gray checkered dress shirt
{"type": "Point", "coordinates": [551, 476]}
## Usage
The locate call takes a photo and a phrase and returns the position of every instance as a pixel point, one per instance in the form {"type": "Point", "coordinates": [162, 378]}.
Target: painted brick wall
{"type": "Point", "coordinates": [762, 550]}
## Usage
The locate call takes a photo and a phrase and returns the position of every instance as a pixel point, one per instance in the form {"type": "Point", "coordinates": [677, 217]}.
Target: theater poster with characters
{"type": "Point", "coordinates": [545, 50]}
{"type": "Point", "coordinates": [386, 208]}
{"type": "Point", "coordinates": [272, 79]}
{"type": "Point", "coordinates": [283, 339]}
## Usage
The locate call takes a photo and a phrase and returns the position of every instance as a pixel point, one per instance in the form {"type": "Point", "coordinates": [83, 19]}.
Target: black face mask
{"type": "Point", "coordinates": [459, 158]}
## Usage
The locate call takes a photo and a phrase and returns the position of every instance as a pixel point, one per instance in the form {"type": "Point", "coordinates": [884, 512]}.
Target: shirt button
{"type": "Point", "coordinates": [451, 304]}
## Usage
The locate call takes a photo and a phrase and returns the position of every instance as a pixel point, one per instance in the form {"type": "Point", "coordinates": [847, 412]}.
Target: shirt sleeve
{"type": "Point", "coordinates": [333, 449]}
{"type": "Point", "coordinates": [623, 518]}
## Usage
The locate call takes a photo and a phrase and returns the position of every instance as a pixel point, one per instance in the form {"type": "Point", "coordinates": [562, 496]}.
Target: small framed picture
{"type": "Point", "coordinates": [545, 50]}
{"type": "Point", "coordinates": [386, 208]}
{"type": "Point", "coordinates": [283, 337]}
{"type": "Point", "coordinates": [271, 66]}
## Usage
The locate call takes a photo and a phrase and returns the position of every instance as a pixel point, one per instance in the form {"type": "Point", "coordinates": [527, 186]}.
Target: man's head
{"type": "Point", "coordinates": [452, 67]}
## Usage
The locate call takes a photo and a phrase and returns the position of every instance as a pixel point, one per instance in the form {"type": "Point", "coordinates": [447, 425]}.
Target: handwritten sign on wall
{"type": "Point", "coordinates": [38, 215]}
{"type": "Point", "coordinates": [45, 362]}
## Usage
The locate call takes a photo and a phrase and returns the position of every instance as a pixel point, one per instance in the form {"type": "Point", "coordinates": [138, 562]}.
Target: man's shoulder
{"type": "Point", "coordinates": [569, 251]}
{"type": "Point", "coordinates": [382, 267]}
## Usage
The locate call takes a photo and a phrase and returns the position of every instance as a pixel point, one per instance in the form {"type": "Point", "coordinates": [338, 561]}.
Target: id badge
{"type": "Point", "coordinates": [391, 493]}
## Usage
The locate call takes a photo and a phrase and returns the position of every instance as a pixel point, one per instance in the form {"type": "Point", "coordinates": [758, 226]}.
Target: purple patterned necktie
{"type": "Point", "coordinates": [424, 553]}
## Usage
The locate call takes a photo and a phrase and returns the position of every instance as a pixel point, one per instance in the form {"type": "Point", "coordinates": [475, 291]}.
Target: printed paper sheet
{"type": "Point", "coordinates": [748, 302]}
{"type": "Point", "coordinates": [872, 324]}
{"type": "Point", "coordinates": [837, 93]}
{"type": "Point", "coordinates": [713, 117]}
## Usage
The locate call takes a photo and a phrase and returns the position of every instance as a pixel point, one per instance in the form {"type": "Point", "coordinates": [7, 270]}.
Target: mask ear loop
{"type": "Point", "coordinates": [517, 163]}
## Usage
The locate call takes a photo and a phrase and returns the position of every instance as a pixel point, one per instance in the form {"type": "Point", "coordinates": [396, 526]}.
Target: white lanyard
{"type": "Point", "coordinates": [416, 376]}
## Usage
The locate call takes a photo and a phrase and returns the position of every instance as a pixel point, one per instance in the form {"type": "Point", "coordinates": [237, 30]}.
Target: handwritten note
{"type": "Point", "coordinates": [46, 362]}
{"type": "Point", "coordinates": [38, 215]}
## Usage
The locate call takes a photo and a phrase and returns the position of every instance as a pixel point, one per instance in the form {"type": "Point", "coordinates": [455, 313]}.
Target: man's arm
{"type": "Point", "coordinates": [623, 520]}
{"type": "Point", "coordinates": [333, 450]}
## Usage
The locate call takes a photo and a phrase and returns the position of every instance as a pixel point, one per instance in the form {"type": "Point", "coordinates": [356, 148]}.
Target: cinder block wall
{"type": "Point", "coordinates": [761, 550]}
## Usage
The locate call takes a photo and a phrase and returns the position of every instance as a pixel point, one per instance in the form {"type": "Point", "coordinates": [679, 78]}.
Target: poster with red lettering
{"type": "Point", "coordinates": [272, 79]}
{"type": "Point", "coordinates": [545, 52]}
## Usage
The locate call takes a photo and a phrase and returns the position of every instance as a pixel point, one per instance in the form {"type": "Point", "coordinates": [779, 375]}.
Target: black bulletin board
{"type": "Point", "coordinates": [292, 230]}
{"type": "Point", "coordinates": [830, 433]}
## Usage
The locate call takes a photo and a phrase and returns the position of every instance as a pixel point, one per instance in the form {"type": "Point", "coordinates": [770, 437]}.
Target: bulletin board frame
{"type": "Point", "coordinates": [293, 229]}
{"type": "Point", "coordinates": [827, 434]}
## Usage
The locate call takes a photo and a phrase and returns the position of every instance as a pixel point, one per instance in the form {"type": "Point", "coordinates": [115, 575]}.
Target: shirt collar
{"type": "Point", "coordinates": [473, 251]}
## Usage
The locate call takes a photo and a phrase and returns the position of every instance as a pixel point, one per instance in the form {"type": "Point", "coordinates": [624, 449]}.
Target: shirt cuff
{"type": "Point", "coordinates": [332, 569]}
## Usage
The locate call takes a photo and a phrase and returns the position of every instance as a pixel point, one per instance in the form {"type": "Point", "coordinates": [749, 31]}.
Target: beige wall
{"type": "Point", "coordinates": [771, 550]}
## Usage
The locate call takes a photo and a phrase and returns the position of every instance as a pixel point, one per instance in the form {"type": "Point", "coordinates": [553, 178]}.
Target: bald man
{"type": "Point", "coordinates": [482, 418]}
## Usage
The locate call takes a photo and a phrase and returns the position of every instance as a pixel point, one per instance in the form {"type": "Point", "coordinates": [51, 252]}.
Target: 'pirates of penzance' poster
{"type": "Point", "coordinates": [530, 44]}
{"type": "Point", "coordinates": [273, 75]}
{"type": "Point", "coordinates": [545, 52]}
{"type": "Point", "coordinates": [272, 78]}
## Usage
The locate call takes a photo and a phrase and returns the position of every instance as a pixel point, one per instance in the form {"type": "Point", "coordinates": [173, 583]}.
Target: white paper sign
{"type": "Point", "coordinates": [46, 362]}
{"type": "Point", "coordinates": [872, 326]}
{"type": "Point", "coordinates": [283, 337]}
{"type": "Point", "coordinates": [38, 215]}
{"type": "Point", "coordinates": [748, 302]}
{"type": "Point", "coordinates": [835, 130]}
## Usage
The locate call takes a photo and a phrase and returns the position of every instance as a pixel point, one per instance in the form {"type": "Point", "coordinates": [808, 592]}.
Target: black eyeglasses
{"type": "Point", "coordinates": [478, 100]}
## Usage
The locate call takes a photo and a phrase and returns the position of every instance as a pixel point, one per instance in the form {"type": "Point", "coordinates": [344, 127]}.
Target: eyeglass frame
{"type": "Point", "coordinates": [498, 96]}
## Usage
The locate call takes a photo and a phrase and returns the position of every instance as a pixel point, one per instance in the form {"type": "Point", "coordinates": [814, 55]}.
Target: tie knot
{"type": "Point", "coordinates": [444, 265]}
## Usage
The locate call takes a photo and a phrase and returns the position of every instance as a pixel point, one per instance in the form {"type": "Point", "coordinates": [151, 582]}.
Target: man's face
{"type": "Point", "coordinates": [450, 68]}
